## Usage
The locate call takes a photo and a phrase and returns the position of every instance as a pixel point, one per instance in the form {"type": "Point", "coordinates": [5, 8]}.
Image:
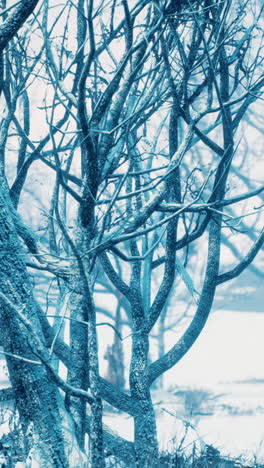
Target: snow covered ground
{"type": "Point", "coordinates": [224, 377]}
{"type": "Point", "coordinates": [227, 360]}
{"type": "Point", "coordinates": [235, 424]}
{"type": "Point", "coordinates": [225, 365]}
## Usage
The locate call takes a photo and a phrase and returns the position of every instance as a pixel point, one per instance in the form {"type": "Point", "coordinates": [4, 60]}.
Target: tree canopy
{"type": "Point", "coordinates": [129, 163]}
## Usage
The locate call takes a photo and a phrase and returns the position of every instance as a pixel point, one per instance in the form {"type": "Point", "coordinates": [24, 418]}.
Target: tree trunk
{"type": "Point", "coordinates": [78, 370]}
{"type": "Point", "coordinates": [145, 433]}
{"type": "Point", "coordinates": [96, 427]}
{"type": "Point", "coordinates": [44, 420]}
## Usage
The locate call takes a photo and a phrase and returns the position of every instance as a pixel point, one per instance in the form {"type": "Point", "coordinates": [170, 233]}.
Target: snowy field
{"type": "Point", "coordinates": [235, 427]}
{"type": "Point", "coordinates": [226, 365]}
{"type": "Point", "coordinates": [223, 375]}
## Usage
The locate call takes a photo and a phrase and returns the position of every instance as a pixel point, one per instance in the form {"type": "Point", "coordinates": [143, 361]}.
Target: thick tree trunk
{"type": "Point", "coordinates": [37, 401]}
{"type": "Point", "coordinates": [92, 364]}
{"type": "Point", "coordinates": [44, 420]}
{"type": "Point", "coordinates": [145, 434]}
{"type": "Point", "coordinates": [78, 370]}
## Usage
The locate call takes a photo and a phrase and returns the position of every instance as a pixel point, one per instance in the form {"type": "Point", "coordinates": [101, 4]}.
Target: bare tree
{"type": "Point", "coordinates": [131, 112]}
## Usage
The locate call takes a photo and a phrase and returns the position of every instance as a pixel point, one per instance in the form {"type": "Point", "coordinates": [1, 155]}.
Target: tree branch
{"type": "Point", "coordinates": [15, 21]}
{"type": "Point", "coordinates": [245, 262]}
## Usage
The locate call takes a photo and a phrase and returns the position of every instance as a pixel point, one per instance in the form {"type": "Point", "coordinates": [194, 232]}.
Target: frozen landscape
{"type": "Point", "coordinates": [214, 396]}
{"type": "Point", "coordinates": [223, 377]}
{"type": "Point", "coordinates": [131, 234]}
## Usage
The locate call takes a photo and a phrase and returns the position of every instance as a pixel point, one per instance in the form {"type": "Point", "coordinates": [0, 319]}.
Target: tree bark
{"type": "Point", "coordinates": [15, 20]}
{"type": "Point", "coordinates": [78, 369]}
{"type": "Point", "coordinates": [145, 432]}
{"type": "Point", "coordinates": [37, 398]}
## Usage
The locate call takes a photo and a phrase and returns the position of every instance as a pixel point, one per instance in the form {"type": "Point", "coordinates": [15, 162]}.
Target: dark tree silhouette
{"type": "Point", "coordinates": [120, 142]}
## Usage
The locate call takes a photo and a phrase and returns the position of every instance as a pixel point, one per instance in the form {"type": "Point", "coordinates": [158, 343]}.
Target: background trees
{"type": "Point", "coordinates": [123, 167]}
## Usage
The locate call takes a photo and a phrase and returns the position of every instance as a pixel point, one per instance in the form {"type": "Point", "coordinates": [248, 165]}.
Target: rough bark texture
{"type": "Point", "coordinates": [37, 398]}
{"type": "Point", "coordinates": [78, 369]}
{"type": "Point", "coordinates": [145, 433]}
{"type": "Point", "coordinates": [15, 20]}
